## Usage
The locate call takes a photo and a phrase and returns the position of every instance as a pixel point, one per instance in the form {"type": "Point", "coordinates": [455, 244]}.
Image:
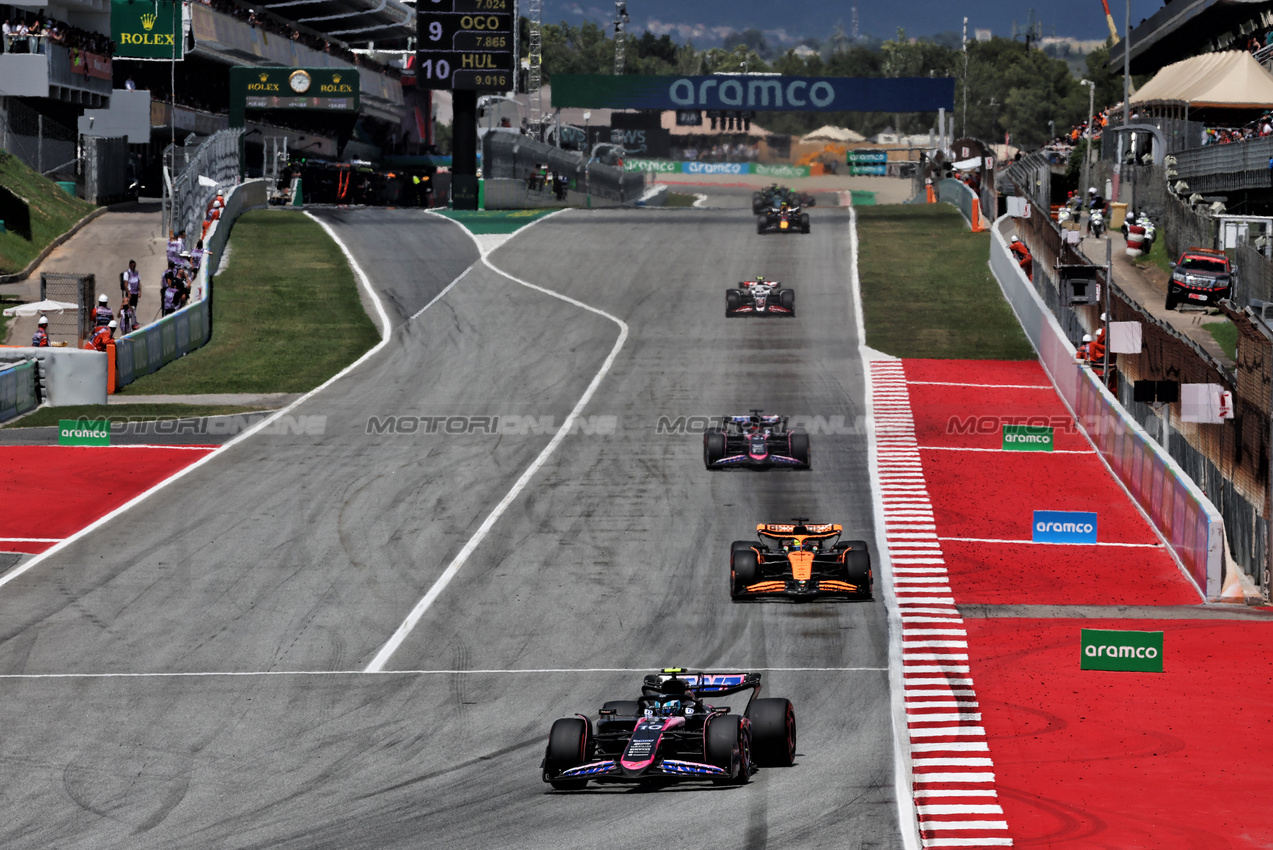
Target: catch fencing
{"type": "Point", "coordinates": [147, 350]}
{"type": "Point", "coordinates": [1189, 522]}
{"type": "Point", "coordinates": [77, 289]}
{"type": "Point", "coordinates": [213, 165]}
{"type": "Point", "coordinates": [40, 142]}
{"type": "Point", "coordinates": [18, 392]}
{"type": "Point", "coordinates": [511, 155]}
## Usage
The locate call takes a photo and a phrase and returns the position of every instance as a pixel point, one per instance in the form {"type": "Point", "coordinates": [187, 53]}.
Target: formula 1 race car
{"type": "Point", "coordinates": [783, 219]}
{"type": "Point", "coordinates": [799, 560]}
{"type": "Point", "coordinates": [755, 441]}
{"type": "Point", "coordinates": [760, 297]}
{"type": "Point", "coordinates": [774, 195]}
{"type": "Point", "coordinates": [670, 734]}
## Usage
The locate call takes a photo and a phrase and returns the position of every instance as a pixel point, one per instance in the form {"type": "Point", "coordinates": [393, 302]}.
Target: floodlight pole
{"type": "Point", "coordinates": [1109, 284]}
{"type": "Point", "coordinates": [1127, 66]}
{"type": "Point", "coordinates": [1091, 137]}
{"type": "Point", "coordinates": [964, 133]}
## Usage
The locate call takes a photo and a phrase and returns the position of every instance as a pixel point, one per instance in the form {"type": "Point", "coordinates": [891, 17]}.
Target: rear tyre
{"type": "Point", "coordinates": [857, 570]}
{"type": "Point", "coordinates": [727, 745]}
{"type": "Point", "coordinates": [773, 732]}
{"type": "Point", "coordinates": [787, 298]}
{"type": "Point", "coordinates": [800, 448]}
{"type": "Point", "coordinates": [569, 745]}
{"type": "Point", "coordinates": [744, 570]}
{"type": "Point", "coordinates": [713, 447]}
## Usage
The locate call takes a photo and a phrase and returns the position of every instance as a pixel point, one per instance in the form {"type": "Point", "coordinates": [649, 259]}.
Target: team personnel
{"type": "Point", "coordinates": [103, 336]}
{"type": "Point", "coordinates": [130, 284]}
{"type": "Point", "coordinates": [1022, 255]}
{"type": "Point", "coordinates": [176, 245]}
{"type": "Point", "coordinates": [102, 314]}
{"type": "Point", "coordinates": [41, 338]}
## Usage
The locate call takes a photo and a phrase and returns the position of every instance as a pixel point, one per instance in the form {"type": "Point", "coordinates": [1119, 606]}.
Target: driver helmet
{"type": "Point", "coordinates": [670, 707]}
{"type": "Point", "coordinates": [760, 278]}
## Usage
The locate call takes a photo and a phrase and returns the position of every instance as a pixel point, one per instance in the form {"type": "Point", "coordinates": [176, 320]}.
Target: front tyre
{"type": "Point", "coordinates": [787, 298]}
{"type": "Point", "coordinates": [804, 222]}
{"type": "Point", "coordinates": [714, 445]}
{"type": "Point", "coordinates": [773, 732]}
{"type": "Point", "coordinates": [727, 745]}
{"type": "Point", "coordinates": [800, 448]}
{"type": "Point", "coordinates": [744, 570]}
{"type": "Point", "coordinates": [569, 745]}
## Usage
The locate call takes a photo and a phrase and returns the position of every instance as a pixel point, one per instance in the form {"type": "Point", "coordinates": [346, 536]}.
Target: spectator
{"type": "Point", "coordinates": [196, 258]}
{"type": "Point", "coordinates": [6, 29]}
{"type": "Point", "coordinates": [41, 338]}
{"type": "Point", "coordinates": [103, 335]}
{"type": "Point", "coordinates": [102, 313]}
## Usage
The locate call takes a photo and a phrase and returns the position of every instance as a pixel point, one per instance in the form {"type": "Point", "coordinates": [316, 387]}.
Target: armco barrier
{"type": "Point", "coordinates": [144, 351]}
{"type": "Point", "coordinates": [955, 192]}
{"type": "Point", "coordinates": [17, 390]}
{"type": "Point", "coordinates": [1185, 517]}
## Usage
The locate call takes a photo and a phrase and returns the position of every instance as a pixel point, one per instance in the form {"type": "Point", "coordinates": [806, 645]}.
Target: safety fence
{"type": "Point", "coordinates": [107, 171]}
{"type": "Point", "coordinates": [40, 142]}
{"type": "Point", "coordinates": [1185, 517]}
{"type": "Point", "coordinates": [152, 347]}
{"type": "Point", "coordinates": [213, 165]}
{"type": "Point", "coordinates": [956, 192]}
{"type": "Point", "coordinates": [18, 389]}
{"type": "Point", "coordinates": [511, 155]}
{"type": "Point", "coordinates": [670, 166]}
{"type": "Point", "coordinates": [69, 288]}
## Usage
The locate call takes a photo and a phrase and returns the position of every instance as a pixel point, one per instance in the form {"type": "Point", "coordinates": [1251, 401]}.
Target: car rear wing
{"type": "Point", "coordinates": [773, 529]}
{"type": "Point", "coordinates": [702, 683]}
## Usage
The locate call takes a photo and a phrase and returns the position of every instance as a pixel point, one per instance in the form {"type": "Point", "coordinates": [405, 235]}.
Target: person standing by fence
{"type": "Point", "coordinates": [102, 314]}
{"type": "Point", "coordinates": [41, 338]}
{"type": "Point", "coordinates": [130, 284]}
{"type": "Point", "coordinates": [176, 245]}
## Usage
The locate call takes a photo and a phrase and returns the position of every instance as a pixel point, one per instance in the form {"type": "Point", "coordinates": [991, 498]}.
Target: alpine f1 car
{"type": "Point", "coordinates": [799, 560]}
{"type": "Point", "coordinates": [670, 733]}
{"type": "Point", "coordinates": [755, 441]}
{"type": "Point", "coordinates": [783, 219]}
{"type": "Point", "coordinates": [760, 297]}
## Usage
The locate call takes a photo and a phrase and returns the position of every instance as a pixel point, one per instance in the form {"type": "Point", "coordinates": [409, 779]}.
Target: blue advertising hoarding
{"type": "Point", "coordinates": [1064, 527]}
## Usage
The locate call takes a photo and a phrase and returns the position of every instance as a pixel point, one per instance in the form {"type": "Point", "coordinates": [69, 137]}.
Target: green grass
{"type": "Point", "coordinates": [679, 199]}
{"type": "Point", "coordinates": [494, 221]}
{"type": "Point", "coordinates": [1226, 334]}
{"type": "Point", "coordinates": [927, 290]}
{"type": "Point", "coordinates": [1157, 256]}
{"type": "Point", "coordinates": [285, 315]}
{"type": "Point", "coordinates": [53, 212]}
{"type": "Point", "coordinates": [44, 416]}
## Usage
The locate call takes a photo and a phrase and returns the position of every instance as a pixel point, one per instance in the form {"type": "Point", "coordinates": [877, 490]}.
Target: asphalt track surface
{"type": "Point", "coordinates": [189, 675]}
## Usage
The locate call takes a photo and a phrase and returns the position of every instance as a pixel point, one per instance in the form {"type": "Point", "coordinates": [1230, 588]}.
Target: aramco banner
{"type": "Point", "coordinates": [146, 29]}
{"type": "Point", "coordinates": [754, 92]}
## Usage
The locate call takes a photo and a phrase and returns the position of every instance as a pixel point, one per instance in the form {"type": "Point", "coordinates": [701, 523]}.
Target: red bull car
{"type": "Point", "coordinates": [799, 560]}
{"type": "Point", "coordinates": [783, 219]}
{"type": "Point", "coordinates": [755, 441]}
{"type": "Point", "coordinates": [760, 297]}
{"type": "Point", "coordinates": [674, 732]}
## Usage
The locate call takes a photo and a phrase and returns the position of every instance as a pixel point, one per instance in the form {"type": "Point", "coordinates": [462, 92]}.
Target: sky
{"type": "Point", "coordinates": [784, 21]}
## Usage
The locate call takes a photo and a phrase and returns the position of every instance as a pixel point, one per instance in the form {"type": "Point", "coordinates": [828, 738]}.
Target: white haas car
{"type": "Point", "coordinates": [760, 297]}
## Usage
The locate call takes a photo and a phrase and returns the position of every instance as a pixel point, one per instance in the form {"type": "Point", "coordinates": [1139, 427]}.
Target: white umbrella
{"type": "Point", "coordinates": [39, 307]}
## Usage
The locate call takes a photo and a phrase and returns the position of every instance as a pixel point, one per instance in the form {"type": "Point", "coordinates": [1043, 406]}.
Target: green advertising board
{"type": "Point", "coordinates": [146, 29]}
{"type": "Point", "coordinates": [1103, 649]}
{"type": "Point", "coordinates": [1027, 438]}
{"type": "Point", "coordinates": [83, 432]}
{"type": "Point", "coordinates": [658, 166]}
{"type": "Point", "coordinates": [785, 171]}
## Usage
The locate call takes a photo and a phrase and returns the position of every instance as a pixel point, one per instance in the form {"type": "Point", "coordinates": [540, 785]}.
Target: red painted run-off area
{"type": "Point", "coordinates": [991, 495]}
{"type": "Point", "coordinates": [1088, 759]}
{"type": "Point", "coordinates": [51, 492]}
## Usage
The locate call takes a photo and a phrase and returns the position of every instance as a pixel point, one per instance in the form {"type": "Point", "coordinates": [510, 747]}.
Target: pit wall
{"type": "Point", "coordinates": [149, 349]}
{"type": "Point", "coordinates": [1180, 512]}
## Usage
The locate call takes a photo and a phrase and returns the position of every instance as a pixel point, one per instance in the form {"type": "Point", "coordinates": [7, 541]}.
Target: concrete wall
{"type": "Point", "coordinates": [71, 375]}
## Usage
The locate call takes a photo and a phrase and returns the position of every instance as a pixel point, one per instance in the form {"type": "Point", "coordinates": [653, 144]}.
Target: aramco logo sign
{"type": "Point", "coordinates": [762, 93]}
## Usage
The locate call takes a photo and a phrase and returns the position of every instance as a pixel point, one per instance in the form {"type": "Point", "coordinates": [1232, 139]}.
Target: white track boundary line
{"type": "Point", "coordinates": [408, 625]}
{"type": "Point", "coordinates": [494, 671]}
{"type": "Point", "coordinates": [907, 816]}
{"type": "Point", "coordinates": [385, 330]}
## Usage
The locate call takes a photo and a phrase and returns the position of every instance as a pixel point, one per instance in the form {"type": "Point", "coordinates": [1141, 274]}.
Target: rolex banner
{"type": "Point", "coordinates": [146, 29]}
